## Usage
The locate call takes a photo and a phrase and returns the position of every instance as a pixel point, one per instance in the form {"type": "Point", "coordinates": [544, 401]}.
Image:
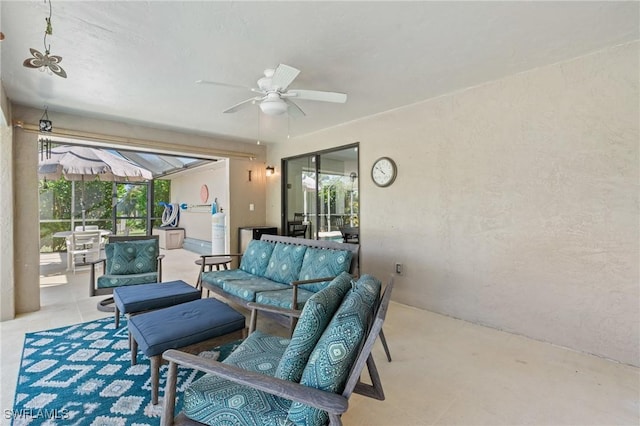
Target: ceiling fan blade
{"type": "Point", "coordinates": [294, 110]}
{"type": "Point", "coordinates": [233, 86]}
{"type": "Point", "coordinates": [215, 83]}
{"type": "Point", "coordinates": [284, 76]}
{"type": "Point", "coordinates": [243, 104]}
{"type": "Point", "coordinates": [316, 95]}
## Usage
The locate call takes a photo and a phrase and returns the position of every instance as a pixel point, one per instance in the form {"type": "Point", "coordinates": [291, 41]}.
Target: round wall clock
{"type": "Point", "coordinates": [384, 171]}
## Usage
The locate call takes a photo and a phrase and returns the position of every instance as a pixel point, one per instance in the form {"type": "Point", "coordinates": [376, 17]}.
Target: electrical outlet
{"type": "Point", "coordinates": [252, 207]}
{"type": "Point", "coordinates": [399, 268]}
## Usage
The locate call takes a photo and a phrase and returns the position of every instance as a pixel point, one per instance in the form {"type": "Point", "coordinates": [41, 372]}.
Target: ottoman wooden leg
{"type": "Point", "coordinates": [155, 377]}
{"type": "Point", "coordinates": [117, 316]}
{"type": "Point", "coordinates": [134, 350]}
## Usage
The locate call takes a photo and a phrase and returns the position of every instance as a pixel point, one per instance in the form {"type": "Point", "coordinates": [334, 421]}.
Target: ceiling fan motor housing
{"type": "Point", "coordinates": [273, 105]}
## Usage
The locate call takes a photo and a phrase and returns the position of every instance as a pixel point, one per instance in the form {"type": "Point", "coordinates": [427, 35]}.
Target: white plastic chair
{"type": "Point", "coordinates": [82, 247]}
{"type": "Point", "coordinates": [87, 228]}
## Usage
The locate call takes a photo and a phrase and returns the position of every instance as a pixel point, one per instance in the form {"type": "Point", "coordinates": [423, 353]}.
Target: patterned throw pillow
{"type": "Point", "coordinates": [320, 263]}
{"type": "Point", "coordinates": [133, 257]}
{"type": "Point", "coordinates": [316, 314]}
{"type": "Point", "coordinates": [330, 362]}
{"type": "Point", "coordinates": [256, 257]}
{"type": "Point", "coordinates": [285, 263]}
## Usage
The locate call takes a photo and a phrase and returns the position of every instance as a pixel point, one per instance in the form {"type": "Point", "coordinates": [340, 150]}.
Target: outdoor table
{"type": "Point", "coordinates": [65, 234]}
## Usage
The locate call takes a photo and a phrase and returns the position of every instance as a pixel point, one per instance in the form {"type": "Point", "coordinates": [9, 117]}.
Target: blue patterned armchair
{"type": "Point", "coordinates": [129, 260]}
{"type": "Point", "coordinates": [304, 381]}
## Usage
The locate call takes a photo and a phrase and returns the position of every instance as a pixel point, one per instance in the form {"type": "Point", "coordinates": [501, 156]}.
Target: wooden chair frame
{"type": "Point", "coordinates": [334, 404]}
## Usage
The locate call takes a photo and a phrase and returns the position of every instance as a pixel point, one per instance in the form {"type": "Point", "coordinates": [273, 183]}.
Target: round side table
{"type": "Point", "coordinates": [210, 262]}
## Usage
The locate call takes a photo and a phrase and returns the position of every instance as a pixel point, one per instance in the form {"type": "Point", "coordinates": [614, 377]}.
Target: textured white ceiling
{"type": "Point", "coordinates": [138, 61]}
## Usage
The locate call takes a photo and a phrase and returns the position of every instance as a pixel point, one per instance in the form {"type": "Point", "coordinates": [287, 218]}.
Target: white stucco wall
{"type": "Point", "coordinates": [185, 188]}
{"type": "Point", "coordinates": [516, 202]}
{"type": "Point", "coordinates": [7, 302]}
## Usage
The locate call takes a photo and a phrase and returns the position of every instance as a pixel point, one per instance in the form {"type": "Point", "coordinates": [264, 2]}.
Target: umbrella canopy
{"type": "Point", "coordinates": [75, 163]}
{"type": "Point", "coordinates": [80, 162]}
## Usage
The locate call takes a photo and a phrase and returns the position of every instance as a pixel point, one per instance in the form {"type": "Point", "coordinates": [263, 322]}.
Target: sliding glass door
{"type": "Point", "coordinates": [320, 194]}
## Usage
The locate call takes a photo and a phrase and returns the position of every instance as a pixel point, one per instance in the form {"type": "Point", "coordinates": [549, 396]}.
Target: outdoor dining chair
{"type": "Point", "coordinates": [83, 247]}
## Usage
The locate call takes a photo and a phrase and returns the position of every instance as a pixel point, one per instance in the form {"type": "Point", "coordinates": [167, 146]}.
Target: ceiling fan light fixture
{"type": "Point", "coordinates": [273, 106]}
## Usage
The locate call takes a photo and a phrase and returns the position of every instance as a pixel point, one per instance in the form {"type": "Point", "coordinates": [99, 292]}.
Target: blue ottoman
{"type": "Point", "coordinates": [147, 297]}
{"type": "Point", "coordinates": [192, 327]}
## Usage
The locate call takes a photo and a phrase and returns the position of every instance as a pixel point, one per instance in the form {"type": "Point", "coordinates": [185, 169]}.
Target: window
{"type": "Point", "coordinates": [321, 191]}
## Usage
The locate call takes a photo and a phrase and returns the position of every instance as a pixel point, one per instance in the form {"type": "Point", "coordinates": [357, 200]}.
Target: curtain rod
{"type": "Point", "coordinates": [131, 143]}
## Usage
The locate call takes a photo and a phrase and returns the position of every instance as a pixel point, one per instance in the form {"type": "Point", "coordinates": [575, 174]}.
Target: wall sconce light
{"type": "Point", "coordinates": [271, 170]}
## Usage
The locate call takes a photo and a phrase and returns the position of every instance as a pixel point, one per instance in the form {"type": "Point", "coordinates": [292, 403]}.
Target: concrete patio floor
{"type": "Point", "coordinates": [444, 371]}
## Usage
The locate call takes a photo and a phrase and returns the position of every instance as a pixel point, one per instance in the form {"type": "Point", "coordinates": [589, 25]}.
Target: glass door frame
{"type": "Point", "coordinates": [284, 213]}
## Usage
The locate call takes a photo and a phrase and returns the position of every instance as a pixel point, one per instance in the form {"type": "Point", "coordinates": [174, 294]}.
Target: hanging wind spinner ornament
{"type": "Point", "coordinates": [46, 61]}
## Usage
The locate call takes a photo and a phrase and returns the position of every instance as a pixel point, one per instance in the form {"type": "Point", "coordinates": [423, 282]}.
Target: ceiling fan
{"type": "Point", "coordinates": [275, 97]}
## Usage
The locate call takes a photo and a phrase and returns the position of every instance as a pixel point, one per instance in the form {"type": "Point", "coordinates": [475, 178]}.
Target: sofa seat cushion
{"type": "Point", "coordinates": [331, 359]}
{"type": "Point", "coordinates": [320, 263]}
{"type": "Point", "coordinates": [218, 278]}
{"type": "Point", "coordinates": [284, 298]}
{"type": "Point", "coordinates": [215, 401]}
{"type": "Point", "coordinates": [285, 263]}
{"type": "Point", "coordinates": [247, 289]}
{"type": "Point", "coordinates": [108, 281]}
{"type": "Point", "coordinates": [133, 257]}
{"type": "Point", "coordinates": [316, 314]}
{"type": "Point", "coordinates": [256, 257]}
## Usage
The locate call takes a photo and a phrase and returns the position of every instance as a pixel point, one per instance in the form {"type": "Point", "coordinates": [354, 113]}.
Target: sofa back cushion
{"type": "Point", "coordinates": [332, 359]}
{"type": "Point", "coordinates": [320, 263]}
{"type": "Point", "coordinates": [256, 257]}
{"type": "Point", "coordinates": [285, 263]}
{"type": "Point", "coordinates": [316, 314]}
{"type": "Point", "coordinates": [132, 257]}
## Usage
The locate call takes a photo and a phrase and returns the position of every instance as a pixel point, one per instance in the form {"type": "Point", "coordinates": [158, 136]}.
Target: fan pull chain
{"type": "Point", "coordinates": [259, 125]}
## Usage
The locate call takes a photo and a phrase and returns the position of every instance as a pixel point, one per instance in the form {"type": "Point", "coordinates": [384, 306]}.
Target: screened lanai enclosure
{"type": "Point", "coordinates": [120, 204]}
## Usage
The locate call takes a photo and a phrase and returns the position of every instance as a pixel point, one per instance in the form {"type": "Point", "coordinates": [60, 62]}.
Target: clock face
{"type": "Point", "coordinates": [383, 171]}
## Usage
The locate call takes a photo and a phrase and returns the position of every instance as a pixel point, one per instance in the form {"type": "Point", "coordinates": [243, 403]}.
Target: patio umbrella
{"type": "Point", "coordinates": [75, 163]}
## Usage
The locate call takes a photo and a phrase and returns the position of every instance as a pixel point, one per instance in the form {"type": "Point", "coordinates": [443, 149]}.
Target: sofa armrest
{"type": "Point", "coordinates": [295, 284]}
{"type": "Point", "coordinates": [333, 404]}
{"type": "Point", "coordinates": [274, 309]}
{"type": "Point", "coordinates": [255, 307]}
{"type": "Point", "coordinates": [311, 281]}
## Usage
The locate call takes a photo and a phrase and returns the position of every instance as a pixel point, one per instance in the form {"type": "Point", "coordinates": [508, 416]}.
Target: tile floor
{"type": "Point", "coordinates": [444, 371]}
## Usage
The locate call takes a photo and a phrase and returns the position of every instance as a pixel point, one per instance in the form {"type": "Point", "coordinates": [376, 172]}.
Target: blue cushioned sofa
{"type": "Point", "coordinates": [305, 380]}
{"type": "Point", "coordinates": [282, 271]}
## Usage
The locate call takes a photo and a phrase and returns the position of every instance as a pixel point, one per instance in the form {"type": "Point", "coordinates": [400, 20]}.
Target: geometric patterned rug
{"type": "Point", "coordinates": [82, 375]}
